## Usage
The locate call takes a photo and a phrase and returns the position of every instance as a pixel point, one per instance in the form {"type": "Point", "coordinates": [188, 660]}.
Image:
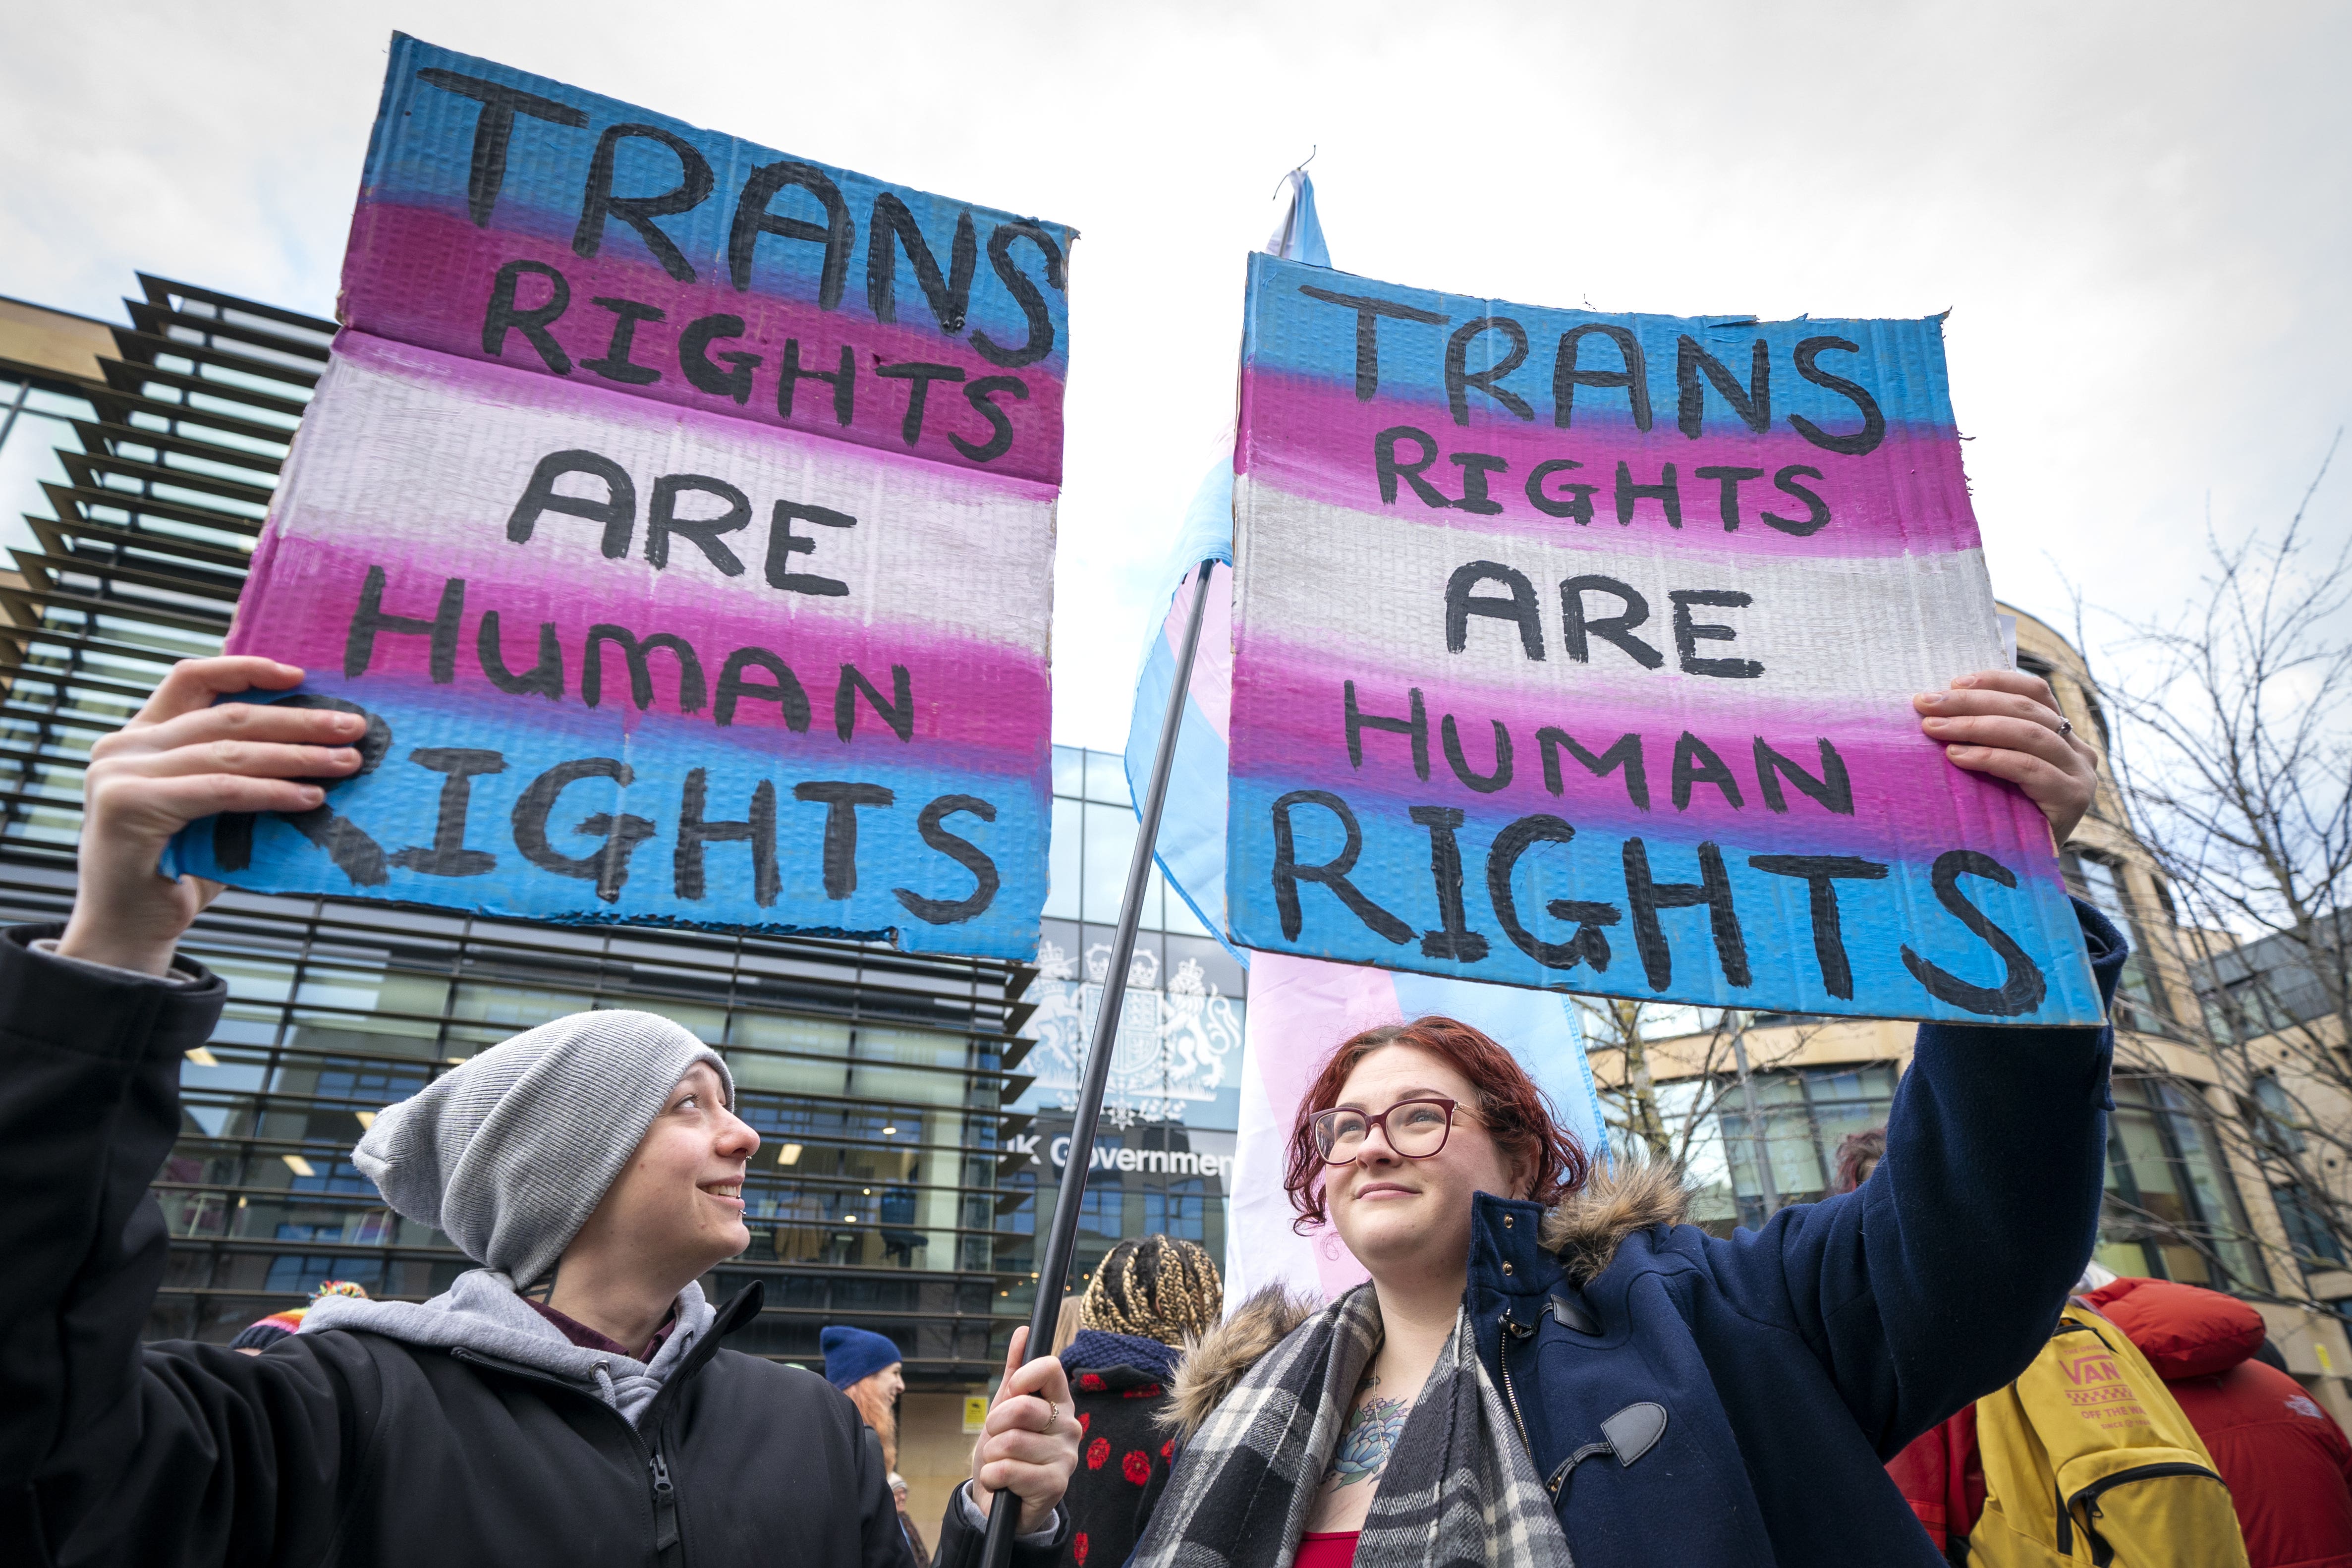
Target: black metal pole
{"type": "Point", "coordinates": [1053, 1274]}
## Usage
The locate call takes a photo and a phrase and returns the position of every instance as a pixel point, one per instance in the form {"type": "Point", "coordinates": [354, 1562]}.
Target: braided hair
{"type": "Point", "coordinates": [1160, 1288]}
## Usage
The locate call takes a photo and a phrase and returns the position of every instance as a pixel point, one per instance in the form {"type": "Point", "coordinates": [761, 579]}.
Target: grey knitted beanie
{"type": "Point", "coordinates": [510, 1152]}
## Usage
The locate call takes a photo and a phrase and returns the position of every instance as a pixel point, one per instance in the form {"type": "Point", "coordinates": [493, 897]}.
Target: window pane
{"type": "Point", "coordinates": [1107, 778]}
{"type": "Point", "coordinates": [1110, 843]}
{"type": "Point", "coordinates": [1063, 887]}
{"type": "Point", "coordinates": [1069, 772]}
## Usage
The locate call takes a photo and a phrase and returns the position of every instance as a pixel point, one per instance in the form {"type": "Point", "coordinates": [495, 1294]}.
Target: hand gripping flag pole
{"type": "Point", "coordinates": [1053, 1275]}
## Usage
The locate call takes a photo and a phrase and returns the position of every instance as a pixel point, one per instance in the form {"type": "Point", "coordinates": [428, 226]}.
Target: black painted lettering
{"type": "Point", "coordinates": [702, 372]}
{"type": "Point", "coordinates": [782, 687]}
{"type": "Point", "coordinates": [1589, 943]}
{"type": "Point", "coordinates": [447, 855]}
{"type": "Point", "coordinates": [841, 802]}
{"type": "Point", "coordinates": [1567, 376]}
{"type": "Point", "coordinates": [1646, 898]}
{"type": "Point", "coordinates": [1024, 294]}
{"type": "Point", "coordinates": [1821, 874]}
{"type": "Point", "coordinates": [1575, 499]}
{"type": "Point", "coordinates": [893, 228]}
{"type": "Point", "coordinates": [641, 677]}
{"type": "Point", "coordinates": [783, 544]}
{"type": "Point", "coordinates": [1460, 378]}
{"type": "Point", "coordinates": [703, 532]}
{"type": "Point", "coordinates": [1577, 628]}
{"type": "Point", "coordinates": [758, 829]}
{"type": "Point", "coordinates": [1415, 726]}
{"type": "Point", "coordinates": [369, 620]}
{"type": "Point", "coordinates": [1727, 508]}
{"type": "Point", "coordinates": [1515, 604]}
{"type": "Point", "coordinates": [838, 233]}
{"type": "Point", "coordinates": [898, 712]}
{"type": "Point", "coordinates": [983, 395]}
{"type": "Point", "coordinates": [1666, 492]}
{"type": "Point", "coordinates": [1626, 752]}
{"type": "Point", "coordinates": [506, 314]}
{"type": "Point", "coordinates": [1453, 940]}
{"type": "Point", "coordinates": [617, 509]}
{"type": "Point", "coordinates": [1753, 402]}
{"type": "Point", "coordinates": [918, 375]}
{"type": "Point", "coordinates": [1288, 873]}
{"type": "Point", "coordinates": [1874, 423]}
{"type": "Point", "coordinates": [545, 679]}
{"type": "Point", "coordinates": [1817, 512]}
{"type": "Point", "coordinates": [1484, 784]}
{"type": "Point", "coordinates": [1368, 314]}
{"type": "Point", "coordinates": [963, 852]}
{"type": "Point", "coordinates": [1476, 467]}
{"type": "Point", "coordinates": [608, 865]}
{"type": "Point", "coordinates": [2021, 986]}
{"type": "Point", "coordinates": [1689, 633]}
{"type": "Point", "coordinates": [494, 128]}
{"type": "Point", "coordinates": [598, 203]}
{"type": "Point", "coordinates": [1385, 465]}
{"type": "Point", "coordinates": [1696, 764]}
{"type": "Point", "coordinates": [1834, 789]}
{"type": "Point", "coordinates": [843, 380]}
{"type": "Point", "coordinates": [613, 364]}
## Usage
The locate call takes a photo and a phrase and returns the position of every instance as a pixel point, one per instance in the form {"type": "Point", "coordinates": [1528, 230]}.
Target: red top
{"type": "Point", "coordinates": [1330, 1549]}
{"type": "Point", "coordinates": [588, 1338]}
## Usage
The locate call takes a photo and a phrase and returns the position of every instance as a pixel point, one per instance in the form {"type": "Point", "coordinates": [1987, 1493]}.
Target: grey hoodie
{"type": "Point", "coordinates": [481, 1312]}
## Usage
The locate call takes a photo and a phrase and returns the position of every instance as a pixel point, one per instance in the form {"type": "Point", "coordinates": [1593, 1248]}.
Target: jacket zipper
{"type": "Point", "coordinates": [1503, 1357]}
{"type": "Point", "coordinates": [665, 1540]}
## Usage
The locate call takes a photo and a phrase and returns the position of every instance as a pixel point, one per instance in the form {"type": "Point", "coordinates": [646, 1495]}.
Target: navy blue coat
{"type": "Point", "coordinates": [1791, 1362]}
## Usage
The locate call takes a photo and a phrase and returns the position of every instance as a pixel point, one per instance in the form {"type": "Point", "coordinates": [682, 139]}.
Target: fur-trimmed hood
{"type": "Point", "coordinates": [1584, 1228]}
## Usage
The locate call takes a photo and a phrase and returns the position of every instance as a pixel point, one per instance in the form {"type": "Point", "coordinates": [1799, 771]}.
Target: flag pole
{"type": "Point", "coordinates": [1053, 1274]}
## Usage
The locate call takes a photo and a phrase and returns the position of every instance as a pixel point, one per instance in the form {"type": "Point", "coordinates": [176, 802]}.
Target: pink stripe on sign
{"type": "Point", "coordinates": [1905, 793]}
{"type": "Point", "coordinates": [1313, 440]}
{"type": "Point", "coordinates": [430, 278]}
{"type": "Point", "coordinates": [968, 694]}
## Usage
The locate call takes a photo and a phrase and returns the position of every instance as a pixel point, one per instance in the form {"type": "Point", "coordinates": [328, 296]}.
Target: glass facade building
{"type": "Point", "coordinates": [909, 1106]}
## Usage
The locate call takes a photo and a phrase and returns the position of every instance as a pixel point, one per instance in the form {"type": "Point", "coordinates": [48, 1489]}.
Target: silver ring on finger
{"type": "Point", "coordinates": [2065, 726]}
{"type": "Point", "coordinates": [1052, 1414]}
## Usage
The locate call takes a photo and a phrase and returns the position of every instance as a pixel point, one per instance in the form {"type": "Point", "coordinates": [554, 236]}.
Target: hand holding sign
{"type": "Point", "coordinates": [184, 756]}
{"type": "Point", "coordinates": [1029, 1444]}
{"type": "Point", "coordinates": [2006, 724]}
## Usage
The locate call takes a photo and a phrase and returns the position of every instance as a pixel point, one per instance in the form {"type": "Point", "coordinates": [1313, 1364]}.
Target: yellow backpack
{"type": "Point", "coordinates": [2088, 1458]}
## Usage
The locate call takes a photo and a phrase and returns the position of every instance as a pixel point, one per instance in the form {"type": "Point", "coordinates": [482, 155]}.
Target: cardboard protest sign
{"type": "Point", "coordinates": [644, 631]}
{"type": "Point", "coordinates": [1575, 650]}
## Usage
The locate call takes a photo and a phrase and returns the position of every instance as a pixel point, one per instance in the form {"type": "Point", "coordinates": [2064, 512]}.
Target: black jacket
{"type": "Point", "coordinates": [343, 1447]}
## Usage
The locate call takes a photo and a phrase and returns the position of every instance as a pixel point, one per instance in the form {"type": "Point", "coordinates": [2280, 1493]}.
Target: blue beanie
{"type": "Point", "coordinates": [851, 1354]}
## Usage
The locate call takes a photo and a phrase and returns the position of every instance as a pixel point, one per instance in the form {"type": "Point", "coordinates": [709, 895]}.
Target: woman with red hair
{"type": "Point", "coordinates": [1549, 1365]}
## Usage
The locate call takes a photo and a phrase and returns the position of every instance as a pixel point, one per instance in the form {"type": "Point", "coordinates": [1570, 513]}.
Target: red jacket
{"type": "Point", "coordinates": [2287, 1463]}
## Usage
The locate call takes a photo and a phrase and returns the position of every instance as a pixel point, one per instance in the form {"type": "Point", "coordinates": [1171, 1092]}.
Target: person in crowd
{"type": "Point", "coordinates": [865, 1367]}
{"type": "Point", "coordinates": [1548, 1361]}
{"type": "Point", "coordinates": [1148, 1301]}
{"type": "Point", "coordinates": [262, 1332]}
{"type": "Point", "coordinates": [565, 1403]}
{"type": "Point", "coordinates": [2286, 1461]}
{"type": "Point", "coordinates": [907, 1520]}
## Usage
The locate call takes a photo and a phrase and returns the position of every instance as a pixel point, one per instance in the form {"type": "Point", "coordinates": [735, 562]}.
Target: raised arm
{"type": "Point", "coordinates": [1940, 1278]}
{"type": "Point", "coordinates": [108, 1452]}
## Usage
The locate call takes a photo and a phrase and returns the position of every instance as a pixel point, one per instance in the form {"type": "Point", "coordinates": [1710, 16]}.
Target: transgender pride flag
{"type": "Point", "coordinates": [1298, 1009]}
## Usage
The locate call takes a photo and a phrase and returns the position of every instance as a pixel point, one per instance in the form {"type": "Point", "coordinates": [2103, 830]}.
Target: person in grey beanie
{"type": "Point", "coordinates": [567, 1401]}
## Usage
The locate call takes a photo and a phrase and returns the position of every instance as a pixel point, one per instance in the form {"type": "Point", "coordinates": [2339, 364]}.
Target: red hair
{"type": "Point", "coordinates": [1516, 1113]}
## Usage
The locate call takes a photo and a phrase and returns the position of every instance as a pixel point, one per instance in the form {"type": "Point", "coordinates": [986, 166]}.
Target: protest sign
{"type": "Point", "coordinates": [735, 616]}
{"type": "Point", "coordinates": [1575, 650]}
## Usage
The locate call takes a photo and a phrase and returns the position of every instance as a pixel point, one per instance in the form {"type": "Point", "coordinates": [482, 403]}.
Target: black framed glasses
{"type": "Point", "coordinates": [1415, 1129]}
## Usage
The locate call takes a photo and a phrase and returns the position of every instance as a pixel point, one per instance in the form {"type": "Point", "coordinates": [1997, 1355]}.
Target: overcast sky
{"type": "Point", "coordinates": [2137, 214]}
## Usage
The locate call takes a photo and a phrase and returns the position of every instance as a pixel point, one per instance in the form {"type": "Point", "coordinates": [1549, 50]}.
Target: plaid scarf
{"type": "Point", "coordinates": [1459, 1488]}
